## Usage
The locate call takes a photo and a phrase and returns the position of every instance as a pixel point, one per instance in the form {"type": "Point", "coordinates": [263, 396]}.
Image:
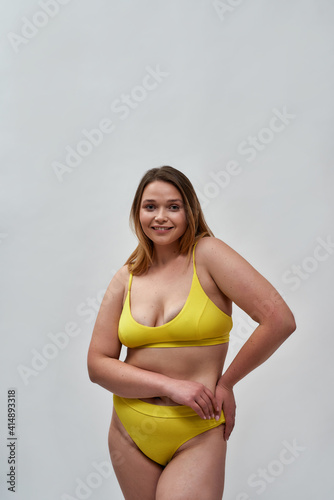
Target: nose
{"type": "Point", "coordinates": [160, 216]}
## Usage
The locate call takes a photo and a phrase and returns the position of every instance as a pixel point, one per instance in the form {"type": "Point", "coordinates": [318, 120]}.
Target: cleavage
{"type": "Point", "coordinates": [145, 318]}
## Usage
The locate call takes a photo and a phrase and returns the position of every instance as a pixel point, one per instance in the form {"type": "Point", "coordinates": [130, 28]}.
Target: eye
{"type": "Point", "coordinates": [149, 206]}
{"type": "Point", "coordinates": [175, 207]}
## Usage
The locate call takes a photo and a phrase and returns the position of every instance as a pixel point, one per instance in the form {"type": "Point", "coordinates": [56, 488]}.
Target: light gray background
{"type": "Point", "coordinates": [228, 68]}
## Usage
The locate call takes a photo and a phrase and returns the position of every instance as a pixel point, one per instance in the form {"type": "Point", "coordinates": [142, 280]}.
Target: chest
{"type": "Point", "coordinates": [156, 300]}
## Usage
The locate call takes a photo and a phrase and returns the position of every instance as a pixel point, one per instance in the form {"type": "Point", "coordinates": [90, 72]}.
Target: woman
{"type": "Point", "coordinates": [171, 305]}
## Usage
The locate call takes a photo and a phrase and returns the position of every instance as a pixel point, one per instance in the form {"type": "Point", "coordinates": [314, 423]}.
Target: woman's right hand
{"type": "Point", "coordinates": [195, 395]}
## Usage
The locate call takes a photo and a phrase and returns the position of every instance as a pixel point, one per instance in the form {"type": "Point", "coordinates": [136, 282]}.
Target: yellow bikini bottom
{"type": "Point", "coordinates": [158, 430]}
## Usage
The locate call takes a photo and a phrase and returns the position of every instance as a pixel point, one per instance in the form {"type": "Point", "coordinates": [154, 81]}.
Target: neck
{"type": "Point", "coordinates": [165, 254]}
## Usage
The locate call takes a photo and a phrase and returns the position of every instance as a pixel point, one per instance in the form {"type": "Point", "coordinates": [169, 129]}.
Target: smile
{"type": "Point", "coordinates": [161, 228]}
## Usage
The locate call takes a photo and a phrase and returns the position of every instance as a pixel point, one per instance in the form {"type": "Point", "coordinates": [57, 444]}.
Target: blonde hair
{"type": "Point", "coordinates": [197, 228]}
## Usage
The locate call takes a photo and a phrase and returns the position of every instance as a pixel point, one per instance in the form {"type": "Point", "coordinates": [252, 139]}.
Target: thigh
{"type": "Point", "coordinates": [197, 469]}
{"type": "Point", "coordinates": [136, 473]}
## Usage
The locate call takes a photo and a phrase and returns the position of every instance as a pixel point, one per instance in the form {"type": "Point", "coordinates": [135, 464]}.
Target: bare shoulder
{"type": "Point", "coordinates": [225, 264]}
{"type": "Point", "coordinates": [209, 248]}
{"type": "Point", "coordinates": [210, 242]}
{"type": "Point", "coordinates": [240, 281]}
{"type": "Point", "coordinates": [119, 283]}
{"type": "Point", "coordinates": [122, 274]}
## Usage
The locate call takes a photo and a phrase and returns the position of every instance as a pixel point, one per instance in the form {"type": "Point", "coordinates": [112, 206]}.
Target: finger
{"type": "Point", "coordinates": [198, 409]}
{"type": "Point", "coordinates": [218, 407]}
{"type": "Point", "coordinates": [214, 403]}
{"type": "Point", "coordinates": [208, 403]}
{"type": "Point", "coordinates": [218, 412]}
{"type": "Point", "coordinates": [229, 426]}
{"type": "Point", "coordinates": [204, 406]}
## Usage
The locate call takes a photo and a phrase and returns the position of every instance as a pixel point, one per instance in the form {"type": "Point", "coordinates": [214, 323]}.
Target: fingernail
{"type": "Point", "coordinates": [217, 417]}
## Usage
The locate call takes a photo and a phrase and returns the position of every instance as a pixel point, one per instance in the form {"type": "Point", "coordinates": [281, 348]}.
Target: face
{"type": "Point", "coordinates": [162, 214]}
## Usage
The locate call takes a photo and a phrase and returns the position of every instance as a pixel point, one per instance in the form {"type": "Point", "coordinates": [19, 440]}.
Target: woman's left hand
{"type": "Point", "coordinates": [225, 400]}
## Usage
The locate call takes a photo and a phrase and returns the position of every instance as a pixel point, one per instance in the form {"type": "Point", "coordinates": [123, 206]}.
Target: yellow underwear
{"type": "Point", "coordinates": [158, 430]}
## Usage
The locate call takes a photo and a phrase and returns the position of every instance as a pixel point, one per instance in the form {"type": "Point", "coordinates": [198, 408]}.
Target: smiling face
{"type": "Point", "coordinates": [162, 214]}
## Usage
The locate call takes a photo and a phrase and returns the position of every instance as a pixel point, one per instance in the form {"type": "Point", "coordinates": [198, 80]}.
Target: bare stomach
{"type": "Point", "coordinates": [203, 364]}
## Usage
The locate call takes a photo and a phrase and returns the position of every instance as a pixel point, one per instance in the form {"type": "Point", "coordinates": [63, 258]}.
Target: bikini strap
{"type": "Point", "coordinates": [194, 265]}
{"type": "Point", "coordinates": [130, 281]}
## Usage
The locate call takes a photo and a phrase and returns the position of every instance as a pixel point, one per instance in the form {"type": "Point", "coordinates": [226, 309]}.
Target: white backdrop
{"type": "Point", "coordinates": [238, 96]}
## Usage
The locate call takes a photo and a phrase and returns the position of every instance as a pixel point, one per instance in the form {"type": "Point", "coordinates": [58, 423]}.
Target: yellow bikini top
{"type": "Point", "coordinates": [199, 323]}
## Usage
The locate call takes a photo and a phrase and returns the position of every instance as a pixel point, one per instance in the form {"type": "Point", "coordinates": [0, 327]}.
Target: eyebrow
{"type": "Point", "coordinates": [168, 201]}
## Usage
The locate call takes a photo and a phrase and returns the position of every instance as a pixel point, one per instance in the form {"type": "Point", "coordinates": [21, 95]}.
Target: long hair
{"type": "Point", "coordinates": [197, 228]}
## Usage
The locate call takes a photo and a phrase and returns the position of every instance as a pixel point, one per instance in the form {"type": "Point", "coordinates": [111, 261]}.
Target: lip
{"type": "Point", "coordinates": [161, 228]}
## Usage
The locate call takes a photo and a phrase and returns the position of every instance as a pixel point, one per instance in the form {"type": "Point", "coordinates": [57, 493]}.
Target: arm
{"type": "Point", "coordinates": [104, 367]}
{"type": "Point", "coordinates": [247, 288]}
{"type": "Point", "coordinates": [129, 381]}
